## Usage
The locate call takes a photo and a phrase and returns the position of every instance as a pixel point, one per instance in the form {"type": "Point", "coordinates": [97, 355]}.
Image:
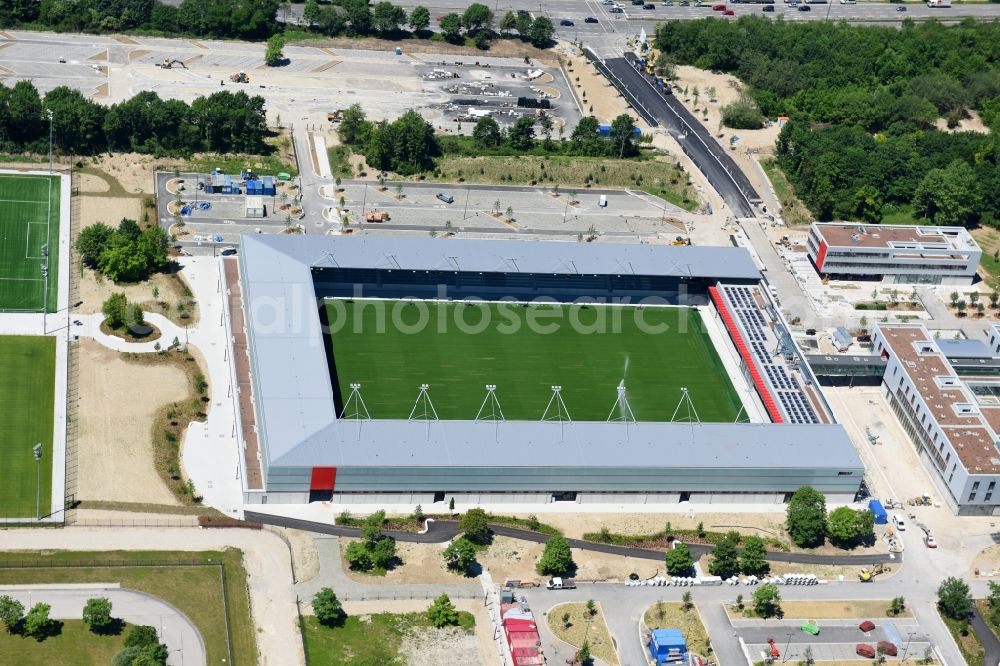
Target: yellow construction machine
{"type": "Point", "coordinates": [168, 63]}
{"type": "Point", "coordinates": [866, 575]}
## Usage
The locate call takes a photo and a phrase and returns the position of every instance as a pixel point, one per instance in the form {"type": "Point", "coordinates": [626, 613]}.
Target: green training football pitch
{"type": "Point", "coordinates": [27, 393]}
{"type": "Point", "coordinates": [588, 359]}
{"type": "Point", "coordinates": [29, 220]}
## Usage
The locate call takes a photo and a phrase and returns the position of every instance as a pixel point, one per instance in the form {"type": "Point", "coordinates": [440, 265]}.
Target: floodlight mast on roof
{"type": "Point", "coordinates": [556, 411]}
{"type": "Point", "coordinates": [688, 405]}
{"type": "Point", "coordinates": [621, 406]}
{"type": "Point", "coordinates": [354, 407]}
{"type": "Point", "coordinates": [423, 409]}
{"type": "Point", "coordinates": [490, 410]}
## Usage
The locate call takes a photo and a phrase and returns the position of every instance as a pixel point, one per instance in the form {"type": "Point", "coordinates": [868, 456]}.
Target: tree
{"type": "Point", "coordinates": [387, 17]}
{"type": "Point", "coordinates": [806, 517]}
{"type": "Point", "coordinates": [949, 196]}
{"type": "Point", "coordinates": [994, 297]}
{"type": "Point", "coordinates": [11, 613]}
{"type": "Point", "coordinates": [583, 654]}
{"type": "Point", "coordinates": [742, 114]}
{"type": "Point", "coordinates": [678, 560]}
{"type": "Point", "coordinates": [420, 18]}
{"type": "Point", "coordinates": [354, 126]}
{"type": "Point", "coordinates": [327, 607]}
{"type": "Point", "coordinates": [564, 618]}
{"type": "Point", "coordinates": [523, 24]}
{"type": "Point", "coordinates": [591, 607]}
{"type": "Point", "coordinates": [868, 204]}
{"type": "Point", "coordinates": [442, 612]}
{"type": "Point", "coordinates": [521, 135]}
{"type": "Point", "coordinates": [477, 17]}
{"type": "Point", "coordinates": [142, 648]}
{"type": "Point", "coordinates": [807, 656]}
{"type": "Point", "coordinates": [541, 32]}
{"type": "Point", "coordinates": [767, 601]}
{"type": "Point", "coordinates": [557, 558]}
{"type": "Point", "coordinates": [357, 556]}
{"type": "Point", "coordinates": [545, 121]}
{"type": "Point", "coordinates": [460, 554]}
{"type": "Point", "coordinates": [753, 557]}
{"type": "Point", "coordinates": [273, 55]}
{"type": "Point", "coordinates": [451, 27]}
{"type": "Point", "coordinates": [473, 523]}
{"type": "Point", "coordinates": [953, 598]}
{"type": "Point", "coordinates": [486, 133]}
{"type": "Point", "coordinates": [898, 605]}
{"type": "Point", "coordinates": [97, 614]}
{"type": "Point", "coordinates": [310, 12]}
{"type": "Point", "coordinates": [974, 297]}
{"type": "Point", "coordinates": [686, 603]}
{"type": "Point", "coordinates": [383, 552]}
{"type": "Point", "coordinates": [115, 310]}
{"type": "Point", "coordinates": [37, 622]}
{"type": "Point", "coordinates": [725, 559]}
{"type": "Point", "coordinates": [847, 527]}
{"type": "Point", "coordinates": [91, 241]}
{"type": "Point", "coordinates": [508, 23]}
{"type": "Point", "coordinates": [621, 135]}
{"type": "Point", "coordinates": [953, 297]}
{"type": "Point", "coordinates": [961, 307]}
{"type": "Point", "coordinates": [992, 602]}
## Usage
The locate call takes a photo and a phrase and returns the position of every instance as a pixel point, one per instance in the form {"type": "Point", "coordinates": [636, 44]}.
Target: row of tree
{"type": "Point", "coordinates": [223, 122]}
{"type": "Point", "coordinates": [142, 644]}
{"type": "Point", "coordinates": [809, 525]}
{"type": "Point", "coordinates": [386, 20]}
{"type": "Point", "coordinates": [863, 102]}
{"type": "Point", "coordinates": [521, 138]}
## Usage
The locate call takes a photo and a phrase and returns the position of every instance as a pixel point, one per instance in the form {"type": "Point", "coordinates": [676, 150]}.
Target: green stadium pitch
{"type": "Point", "coordinates": [391, 348]}
{"type": "Point", "coordinates": [27, 393]}
{"type": "Point", "coordinates": [29, 221]}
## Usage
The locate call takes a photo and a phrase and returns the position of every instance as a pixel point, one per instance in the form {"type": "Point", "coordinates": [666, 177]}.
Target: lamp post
{"type": "Point", "coordinates": [49, 113]}
{"type": "Point", "coordinates": [37, 451]}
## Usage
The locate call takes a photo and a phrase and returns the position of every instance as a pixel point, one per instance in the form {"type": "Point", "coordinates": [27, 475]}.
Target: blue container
{"type": "Point", "coordinates": [268, 186]}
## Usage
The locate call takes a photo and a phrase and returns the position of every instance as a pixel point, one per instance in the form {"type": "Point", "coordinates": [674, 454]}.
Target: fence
{"type": "Point", "coordinates": [171, 521]}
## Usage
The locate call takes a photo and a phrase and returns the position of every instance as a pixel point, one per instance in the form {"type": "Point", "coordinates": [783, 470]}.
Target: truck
{"type": "Point", "coordinates": [376, 216]}
{"type": "Point", "coordinates": [939, 3]}
{"type": "Point", "coordinates": [560, 584]}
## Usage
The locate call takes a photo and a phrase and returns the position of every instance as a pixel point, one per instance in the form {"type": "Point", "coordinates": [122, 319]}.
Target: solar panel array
{"type": "Point", "coordinates": [793, 400]}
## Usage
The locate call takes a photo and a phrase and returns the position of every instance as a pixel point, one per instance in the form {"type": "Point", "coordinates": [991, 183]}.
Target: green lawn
{"type": "Point", "coordinates": [74, 645]}
{"type": "Point", "coordinates": [587, 358]}
{"type": "Point", "coordinates": [191, 581]}
{"type": "Point", "coordinates": [27, 392]}
{"type": "Point", "coordinates": [375, 640]}
{"type": "Point", "coordinates": [29, 220]}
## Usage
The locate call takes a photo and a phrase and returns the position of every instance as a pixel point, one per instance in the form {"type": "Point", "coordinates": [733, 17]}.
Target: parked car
{"type": "Point", "coordinates": [566, 22]}
{"type": "Point", "coordinates": [590, 19]}
{"type": "Point", "coordinates": [864, 650]}
{"type": "Point", "coordinates": [810, 628]}
{"type": "Point", "coordinates": [867, 626]}
{"type": "Point", "coordinates": [898, 523]}
{"type": "Point", "coordinates": [805, 8]}
{"type": "Point", "coordinates": [768, 8]}
{"type": "Point", "coordinates": [887, 648]}
{"type": "Point", "coordinates": [667, 3]}
{"type": "Point", "coordinates": [729, 12]}
{"type": "Point", "coordinates": [930, 542]}
{"type": "Point", "coordinates": [718, 8]}
{"type": "Point", "coordinates": [445, 197]}
{"type": "Point", "coordinates": [616, 10]}
{"type": "Point", "coordinates": [901, 8]}
{"type": "Point", "coordinates": [649, 5]}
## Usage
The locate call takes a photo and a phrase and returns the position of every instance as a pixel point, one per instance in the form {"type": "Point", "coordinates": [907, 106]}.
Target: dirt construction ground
{"type": "Point", "coordinates": [117, 403]}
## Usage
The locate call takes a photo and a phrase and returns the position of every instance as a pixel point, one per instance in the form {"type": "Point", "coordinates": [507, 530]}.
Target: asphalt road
{"type": "Point", "coordinates": [698, 143]}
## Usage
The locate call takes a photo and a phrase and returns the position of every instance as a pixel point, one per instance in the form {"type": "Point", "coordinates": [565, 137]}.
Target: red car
{"type": "Point", "coordinates": [864, 650]}
{"type": "Point", "coordinates": [887, 648]}
{"type": "Point", "coordinates": [866, 626]}
{"type": "Point", "coordinates": [718, 8]}
{"type": "Point", "coordinates": [440, 18]}
{"type": "Point", "coordinates": [729, 12]}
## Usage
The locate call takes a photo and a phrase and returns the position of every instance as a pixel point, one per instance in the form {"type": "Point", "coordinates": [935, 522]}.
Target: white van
{"type": "Point", "coordinates": [603, 201]}
{"type": "Point", "coordinates": [898, 523]}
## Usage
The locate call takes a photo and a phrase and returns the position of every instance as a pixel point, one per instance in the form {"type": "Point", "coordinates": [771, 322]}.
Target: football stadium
{"type": "Point", "coordinates": [416, 370]}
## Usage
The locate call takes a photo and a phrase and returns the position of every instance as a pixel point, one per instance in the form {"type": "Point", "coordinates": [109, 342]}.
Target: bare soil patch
{"type": "Point", "coordinates": [603, 100]}
{"type": "Point", "coordinates": [173, 299]}
{"type": "Point", "coordinates": [500, 48]}
{"type": "Point", "coordinates": [838, 610]}
{"type": "Point", "coordinates": [118, 401]}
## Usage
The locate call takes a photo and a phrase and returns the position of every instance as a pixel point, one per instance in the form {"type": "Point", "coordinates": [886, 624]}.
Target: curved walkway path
{"type": "Point", "coordinates": [90, 326]}
{"type": "Point", "coordinates": [440, 531]}
{"type": "Point", "coordinates": [185, 644]}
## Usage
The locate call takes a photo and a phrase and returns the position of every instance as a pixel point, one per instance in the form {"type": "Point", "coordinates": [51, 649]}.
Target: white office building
{"type": "Point", "coordinates": [894, 254]}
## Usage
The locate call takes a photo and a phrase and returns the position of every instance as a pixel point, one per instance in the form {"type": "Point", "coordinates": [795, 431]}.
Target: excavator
{"type": "Point", "coordinates": [169, 64]}
{"type": "Point", "coordinates": [866, 575]}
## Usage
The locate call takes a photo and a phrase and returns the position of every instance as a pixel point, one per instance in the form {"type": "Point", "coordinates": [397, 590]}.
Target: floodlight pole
{"type": "Point", "coordinates": [49, 112]}
{"type": "Point", "coordinates": [37, 451]}
{"type": "Point", "coordinates": [562, 413]}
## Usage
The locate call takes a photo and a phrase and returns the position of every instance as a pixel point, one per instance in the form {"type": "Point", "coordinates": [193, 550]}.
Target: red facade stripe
{"type": "Point", "coordinates": [323, 478]}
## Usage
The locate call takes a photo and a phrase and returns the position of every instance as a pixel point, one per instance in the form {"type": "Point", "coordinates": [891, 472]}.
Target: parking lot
{"type": "Point", "coordinates": [484, 209]}
{"type": "Point", "coordinates": [836, 641]}
{"type": "Point", "coordinates": [314, 82]}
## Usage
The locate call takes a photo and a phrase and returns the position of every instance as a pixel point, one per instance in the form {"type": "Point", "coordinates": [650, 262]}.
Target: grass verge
{"type": "Point", "coordinates": [968, 644]}
{"type": "Point", "coordinates": [340, 161]}
{"type": "Point", "coordinates": [660, 177]}
{"type": "Point", "coordinates": [572, 623]}
{"type": "Point", "coordinates": [210, 587]}
{"type": "Point", "coordinates": [839, 610]}
{"type": "Point", "coordinates": [372, 639]}
{"type": "Point", "coordinates": [671, 614]}
{"type": "Point", "coordinates": [660, 540]}
{"type": "Point", "coordinates": [72, 645]}
{"type": "Point", "coordinates": [793, 211]}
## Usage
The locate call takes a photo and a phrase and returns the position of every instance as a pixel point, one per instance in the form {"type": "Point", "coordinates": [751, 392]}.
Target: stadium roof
{"type": "Point", "coordinates": [298, 425]}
